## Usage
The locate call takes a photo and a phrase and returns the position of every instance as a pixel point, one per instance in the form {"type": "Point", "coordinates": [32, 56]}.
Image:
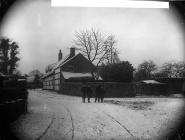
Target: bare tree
{"type": "Point", "coordinates": [145, 69]}
{"type": "Point", "coordinates": [98, 49]}
{"type": "Point", "coordinates": [95, 46]}
{"type": "Point", "coordinates": [111, 51]}
{"type": "Point", "coordinates": [173, 69]}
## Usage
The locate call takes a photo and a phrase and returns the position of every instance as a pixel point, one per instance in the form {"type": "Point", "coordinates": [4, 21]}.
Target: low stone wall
{"type": "Point", "coordinates": [13, 103]}
{"type": "Point", "coordinates": [11, 110]}
{"type": "Point", "coordinates": [13, 99]}
{"type": "Point", "coordinates": [112, 89]}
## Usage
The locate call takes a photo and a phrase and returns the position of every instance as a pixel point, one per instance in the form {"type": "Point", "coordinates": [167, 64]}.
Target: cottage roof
{"type": "Point", "coordinates": [68, 75]}
{"type": "Point", "coordinates": [50, 67]}
{"type": "Point", "coordinates": [55, 65]}
{"type": "Point", "coordinates": [151, 82]}
{"type": "Point", "coordinates": [60, 64]}
{"type": "Point", "coordinates": [47, 74]}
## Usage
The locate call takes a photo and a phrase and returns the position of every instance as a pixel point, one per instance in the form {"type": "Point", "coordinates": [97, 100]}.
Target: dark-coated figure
{"type": "Point", "coordinates": [99, 93]}
{"type": "Point", "coordinates": [89, 92]}
{"type": "Point", "coordinates": [183, 88]}
{"type": "Point", "coordinates": [84, 92]}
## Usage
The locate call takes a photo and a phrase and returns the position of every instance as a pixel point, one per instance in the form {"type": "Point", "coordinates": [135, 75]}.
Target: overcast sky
{"type": "Point", "coordinates": [142, 34]}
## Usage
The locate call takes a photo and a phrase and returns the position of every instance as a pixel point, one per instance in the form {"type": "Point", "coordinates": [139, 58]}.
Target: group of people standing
{"type": "Point", "coordinates": [87, 92]}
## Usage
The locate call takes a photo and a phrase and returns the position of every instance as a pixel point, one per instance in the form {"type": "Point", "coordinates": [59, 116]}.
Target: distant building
{"type": "Point", "coordinates": [72, 68]}
{"type": "Point", "coordinates": [35, 72]}
{"type": "Point", "coordinates": [150, 87]}
{"type": "Point", "coordinates": [34, 79]}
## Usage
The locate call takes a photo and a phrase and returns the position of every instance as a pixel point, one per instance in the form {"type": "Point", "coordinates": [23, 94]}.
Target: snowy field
{"type": "Point", "coordinates": [53, 116]}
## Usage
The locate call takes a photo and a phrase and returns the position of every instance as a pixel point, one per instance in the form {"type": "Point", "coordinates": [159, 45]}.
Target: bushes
{"type": "Point", "coordinates": [118, 72]}
{"type": "Point", "coordinates": [13, 89]}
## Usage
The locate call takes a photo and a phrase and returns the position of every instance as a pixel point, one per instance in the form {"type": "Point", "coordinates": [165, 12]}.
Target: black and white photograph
{"type": "Point", "coordinates": [92, 70]}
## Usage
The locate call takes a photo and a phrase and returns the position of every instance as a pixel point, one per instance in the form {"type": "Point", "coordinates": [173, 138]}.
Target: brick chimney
{"type": "Point", "coordinates": [72, 51]}
{"type": "Point", "coordinates": [60, 55]}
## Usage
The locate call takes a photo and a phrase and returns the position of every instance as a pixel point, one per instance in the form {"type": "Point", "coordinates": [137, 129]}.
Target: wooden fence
{"type": "Point", "coordinates": [174, 85]}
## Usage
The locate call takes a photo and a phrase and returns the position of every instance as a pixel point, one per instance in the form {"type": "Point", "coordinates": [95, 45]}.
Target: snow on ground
{"type": "Point", "coordinates": [163, 114]}
{"type": "Point", "coordinates": [54, 116]}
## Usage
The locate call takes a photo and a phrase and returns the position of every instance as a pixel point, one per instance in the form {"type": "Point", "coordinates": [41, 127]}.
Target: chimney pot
{"type": "Point", "coordinates": [72, 51]}
{"type": "Point", "coordinates": [60, 55]}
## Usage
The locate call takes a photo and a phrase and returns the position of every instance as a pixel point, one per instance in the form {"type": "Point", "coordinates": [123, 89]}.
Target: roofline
{"type": "Point", "coordinates": [52, 71]}
{"type": "Point", "coordinates": [70, 60]}
{"type": "Point", "coordinates": [66, 61]}
{"type": "Point", "coordinates": [47, 74]}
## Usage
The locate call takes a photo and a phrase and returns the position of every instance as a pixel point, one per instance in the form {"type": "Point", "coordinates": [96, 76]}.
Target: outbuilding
{"type": "Point", "coordinates": [151, 87]}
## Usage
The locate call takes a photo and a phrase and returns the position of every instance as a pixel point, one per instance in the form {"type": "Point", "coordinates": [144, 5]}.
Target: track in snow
{"type": "Point", "coordinates": [46, 130]}
{"type": "Point", "coordinates": [52, 120]}
{"type": "Point", "coordinates": [71, 120]}
{"type": "Point", "coordinates": [113, 119]}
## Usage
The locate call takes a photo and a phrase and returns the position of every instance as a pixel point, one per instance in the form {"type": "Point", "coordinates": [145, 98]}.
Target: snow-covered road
{"type": "Point", "coordinates": [53, 116]}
